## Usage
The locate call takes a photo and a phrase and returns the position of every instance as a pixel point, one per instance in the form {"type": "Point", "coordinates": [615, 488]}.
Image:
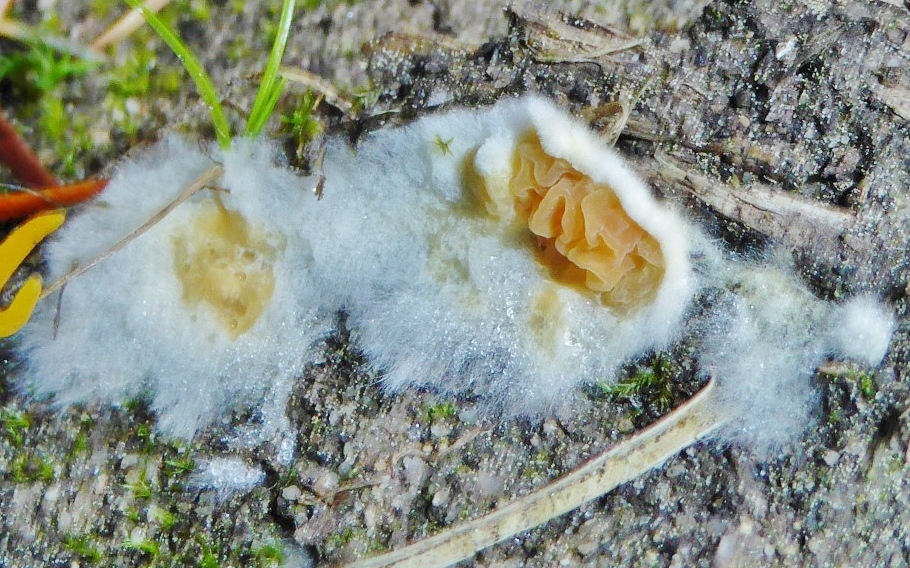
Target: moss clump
{"type": "Point", "coordinates": [650, 383]}
{"type": "Point", "coordinates": [83, 547]}
{"type": "Point", "coordinates": [15, 424]}
{"type": "Point", "coordinates": [441, 411]}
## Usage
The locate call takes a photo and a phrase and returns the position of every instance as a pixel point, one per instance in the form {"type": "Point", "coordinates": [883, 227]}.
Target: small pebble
{"type": "Point", "coordinates": [291, 493]}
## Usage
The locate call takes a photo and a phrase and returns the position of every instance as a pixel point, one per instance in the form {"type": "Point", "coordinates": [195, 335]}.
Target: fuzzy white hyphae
{"type": "Point", "coordinates": [503, 251]}
{"type": "Point", "coordinates": [210, 309]}
{"type": "Point", "coordinates": [418, 238]}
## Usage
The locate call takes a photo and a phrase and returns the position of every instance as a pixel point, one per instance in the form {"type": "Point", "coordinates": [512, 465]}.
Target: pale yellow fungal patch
{"type": "Point", "coordinates": [224, 263]}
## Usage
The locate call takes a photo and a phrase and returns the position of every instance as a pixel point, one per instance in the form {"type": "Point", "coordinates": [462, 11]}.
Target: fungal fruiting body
{"type": "Point", "coordinates": [503, 251]}
{"type": "Point", "coordinates": [518, 259]}
{"type": "Point", "coordinates": [584, 236]}
{"type": "Point", "coordinates": [207, 311]}
{"type": "Point", "coordinates": [507, 252]}
{"type": "Point", "coordinates": [225, 266]}
{"type": "Point", "coordinates": [594, 225]}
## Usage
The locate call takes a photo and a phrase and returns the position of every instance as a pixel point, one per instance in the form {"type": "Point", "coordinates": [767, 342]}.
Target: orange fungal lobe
{"type": "Point", "coordinates": [582, 233]}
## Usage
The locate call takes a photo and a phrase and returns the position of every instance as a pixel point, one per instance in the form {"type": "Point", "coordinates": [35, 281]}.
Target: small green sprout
{"type": "Point", "coordinates": [653, 382]}
{"type": "Point", "coordinates": [133, 78]}
{"type": "Point", "coordinates": [135, 405]}
{"type": "Point", "coordinates": [441, 411]}
{"type": "Point", "coordinates": [29, 468]}
{"type": "Point", "coordinates": [145, 435]}
{"type": "Point", "coordinates": [42, 67]}
{"type": "Point", "coordinates": [83, 547]}
{"type": "Point", "coordinates": [365, 97]}
{"type": "Point", "coordinates": [80, 444]}
{"type": "Point", "coordinates": [866, 383]}
{"type": "Point", "coordinates": [862, 379]}
{"type": "Point", "coordinates": [200, 10]}
{"type": "Point", "coordinates": [70, 135]}
{"type": "Point", "coordinates": [209, 558]}
{"type": "Point", "coordinates": [268, 555]}
{"type": "Point", "coordinates": [45, 472]}
{"type": "Point", "coordinates": [178, 467]}
{"type": "Point", "coordinates": [300, 124]}
{"type": "Point", "coordinates": [144, 545]}
{"type": "Point", "coordinates": [339, 539]}
{"type": "Point", "coordinates": [161, 516]}
{"type": "Point", "coordinates": [443, 145]}
{"type": "Point", "coordinates": [140, 488]}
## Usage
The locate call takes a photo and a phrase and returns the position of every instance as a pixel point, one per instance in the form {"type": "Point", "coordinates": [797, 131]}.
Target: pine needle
{"type": "Point", "coordinates": [641, 453]}
{"type": "Point", "coordinates": [204, 179]}
{"type": "Point", "coordinates": [125, 25]}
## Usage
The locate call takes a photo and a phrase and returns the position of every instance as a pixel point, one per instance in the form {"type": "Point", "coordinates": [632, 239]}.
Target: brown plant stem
{"type": "Point", "coordinates": [20, 159]}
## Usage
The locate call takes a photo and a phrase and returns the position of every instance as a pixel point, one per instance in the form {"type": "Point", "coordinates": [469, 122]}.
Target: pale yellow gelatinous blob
{"type": "Point", "coordinates": [223, 262]}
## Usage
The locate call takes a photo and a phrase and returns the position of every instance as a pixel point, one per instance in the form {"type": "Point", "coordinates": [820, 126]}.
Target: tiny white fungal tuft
{"type": "Point", "coordinates": [862, 330]}
{"type": "Point", "coordinates": [227, 476]}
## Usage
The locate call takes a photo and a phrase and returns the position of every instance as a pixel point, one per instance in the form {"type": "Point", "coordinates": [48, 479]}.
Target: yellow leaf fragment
{"type": "Point", "coordinates": [13, 251]}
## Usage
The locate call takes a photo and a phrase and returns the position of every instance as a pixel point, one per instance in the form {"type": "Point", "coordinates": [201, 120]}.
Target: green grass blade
{"type": "Point", "coordinates": [203, 82]}
{"type": "Point", "coordinates": [271, 87]}
{"type": "Point", "coordinates": [268, 107]}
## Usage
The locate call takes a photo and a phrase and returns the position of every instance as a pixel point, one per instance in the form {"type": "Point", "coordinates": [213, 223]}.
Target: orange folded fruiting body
{"type": "Point", "coordinates": [584, 236]}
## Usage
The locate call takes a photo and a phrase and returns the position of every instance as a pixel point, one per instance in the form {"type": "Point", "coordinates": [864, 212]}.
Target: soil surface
{"type": "Point", "coordinates": [806, 99]}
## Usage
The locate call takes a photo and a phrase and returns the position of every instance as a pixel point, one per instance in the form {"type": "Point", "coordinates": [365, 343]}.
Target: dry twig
{"type": "Point", "coordinates": [204, 179]}
{"type": "Point", "coordinates": [641, 453]}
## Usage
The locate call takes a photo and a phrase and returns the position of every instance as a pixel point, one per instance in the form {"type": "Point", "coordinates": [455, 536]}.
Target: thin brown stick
{"type": "Point", "coordinates": [125, 25]}
{"type": "Point", "coordinates": [641, 453]}
{"type": "Point", "coordinates": [319, 85]}
{"type": "Point", "coordinates": [204, 179]}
